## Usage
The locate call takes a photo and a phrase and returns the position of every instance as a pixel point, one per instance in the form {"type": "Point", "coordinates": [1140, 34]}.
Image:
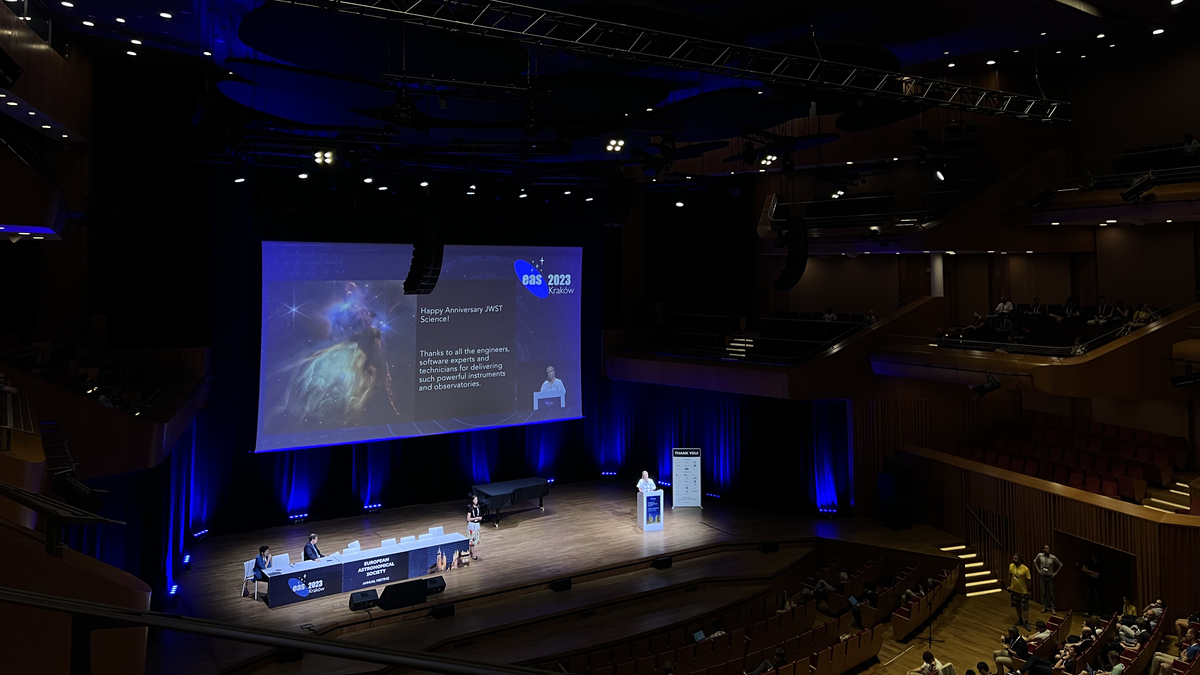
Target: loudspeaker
{"type": "Point", "coordinates": [9, 70]}
{"type": "Point", "coordinates": [769, 547]}
{"type": "Point", "coordinates": [425, 269]}
{"type": "Point", "coordinates": [363, 600]}
{"type": "Point", "coordinates": [795, 239]}
{"type": "Point", "coordinates": [444, 611]}
{"type": "Point", "coordinates": [559, 585]}
{"type": "Point", "coordinates": [434, 586]}
{"type": "Point", "coordinates": [405, 594]}
{"type": "Point", "coordinates": [661, 563]}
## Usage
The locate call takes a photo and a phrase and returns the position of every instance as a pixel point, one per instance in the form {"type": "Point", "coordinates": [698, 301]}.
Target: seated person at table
{"type": "Point", "coordinates": [311, 552]}
{"type": "Point", "coordinates": [261, 562]}
{"type": "Point", "coordinates": [929, 665]}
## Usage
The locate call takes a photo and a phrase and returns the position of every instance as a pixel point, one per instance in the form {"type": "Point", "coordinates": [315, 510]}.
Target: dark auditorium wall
{"type": "Point", "coordinates": [967, 287]}
{"type": "Point", "coordinates": [1153, 264]}
{"type": "Point", "coordinates": [1043, 275]}
{"type": "Point", "coordinates": [849, 285]}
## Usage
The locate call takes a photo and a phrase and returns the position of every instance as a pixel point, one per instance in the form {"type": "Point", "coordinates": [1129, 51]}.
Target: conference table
{"type": "Point", "coordinates": [494, 496]}
{"type": "Point", "coordinates": [354, 570]}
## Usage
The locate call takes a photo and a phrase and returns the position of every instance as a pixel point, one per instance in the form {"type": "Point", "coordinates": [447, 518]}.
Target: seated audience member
{"type": "Point", "coordinates": [1078, 349]}
{"type": "Point", "coordinates": [668, 668]}
{"type": "Point", "coordinates": [1187, 655]}
{"type": "Point", "coordinates": [1070, 310]}
{"type": "Point", "coordinates": [870, 318]}
{"type": "Point", "coordinates": [1040, 632]}
{"type": "Point", "coordinates": [1015, 646]}
{"type": "Point", "coordinates": [1190, 148]}
{"type": "Point", "coordinates": [983, 668]}
{"type": "Point", "coordinates": [1005, 306]}
{"type": "Point", "coordinates": [777, 663]}
{"type": "Point", "coordinates": [1128, 611]}
{"type": "Point", "coordinates": [1103, 313]}
{"type": "Point", "coordinates": [856, 611]}
{"type": "Point", "coordinates": [1087, 637]}
{"type": "Point", "coordinates": [1037, 309]}
{"type": "Point", "coordinates": [806, 596]}
{"type": "Point", "coordinates": [1115, 667]}
{"type": "Point", "coordinates": [1119, 314]}
{"type": "Point", "coordinates": [829, 315]}
{"type": "Point", "coordinates": [976, 323]}
{"type": "Point", "coordinates": [7, 387]}
{"type": "Point", "coordinates": [1181, 625]}
{"type": "Point", "coordinates": [1064, 659]}
{"type": "Point", "coordinates": [718, 629]}
{"type": "Point", "coordinates": [821, 589]}
{"type": "Point", "coordinates": [1002, 325]}
{"type": "Point", "coordinates": [1143, 316]}
{"type": "Point", "coordinates": [840, 586]}
{"type": "Point", "coordinates": [929, 665]}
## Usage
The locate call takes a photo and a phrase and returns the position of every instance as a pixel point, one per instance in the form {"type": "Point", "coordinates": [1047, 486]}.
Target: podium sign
{"type": "Point", "coordinates": [650, 510]}
{"type": "Point", "coordinates": [685, 477]}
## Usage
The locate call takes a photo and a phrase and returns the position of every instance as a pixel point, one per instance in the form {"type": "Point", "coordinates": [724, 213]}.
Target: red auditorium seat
{"type": "Point", "coordinates": [1082, 426]}
{"type": "Point", "coordinates": [1125, 488]}
{"type": "Point", "coordinates": [1135, 471]}
{"type": "Point", "coordinates": [1056, 453]}
{"type": "Point", "coordinates": [1081, 441]}
{"type": "Point", "coordinates": [1141, 437]}
{"type": "Point", "coordinates": [1144, 455]}
{"type": "Point", "coordinates": [977, 454]}
{"type": "Point", "coordinates": [1076, 480]}
{"type": "Point", "coordinates": [1178, 450]}
{"type": "Point", "coordinates": [1101, 464]}
{"type": "Point", "coordinates": [1127, 435]}
{"type": "Point", "coordinates": [1038, 435]}
{"type": "Point", "coordinates": [1031, 468]}
{"type": "Point", "coordinates": [1095, 445]}
{"type": "Point", "coordinates": [1112, 431]}
{"type": "Point", "coordinates": [1091, 483]}
{"type": "Point", "coordinates": [1046, 470]}
{"type": "Point", "coordinates": [964, 451]}
{"type": "Point", "coordinates": [1039, 417]}
{"type": "Point", "coordinates": [647, 665]}
{"type": "Point", "coordinates": [1117, 466]}
{"type": "Point", "coordinates": [1085, 460]}
{"type": "Point", "coordinates": [1052, 436]}
{"type": "Point", "coordinates": [1027, 448]}
{"type": "Point", "coordinates": [606, 670]}
{"type": "Point", "coordinates": [1157, 439]}
{"type": "Point", "coordinates": [1061, 474]}
{"type": "Point", "coordinates": [1003, 461]}
{"type": "Point", "coordinates": [1096, 428]}
{"type": "Point", "coordinates": [1128, 452]}
{"type": "Point", "coordinates": [1108, 488]}
{"type": "Point", "coordinates": [1042, 451]}
{"type": "Point", "coordinates": [1070, 455]}
{"type": "Point", "coordinates": [989, 457]}
{"type": "Point", "coordinates": [1161, 458]}
{"type": "Point", "coordinates": [625, 668]}
{"type": "Point", "coordinates": [1053, 420]}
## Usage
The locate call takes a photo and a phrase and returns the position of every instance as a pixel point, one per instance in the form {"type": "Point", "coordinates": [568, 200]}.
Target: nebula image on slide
{"type": "Point", "coordinates": [338, 355]}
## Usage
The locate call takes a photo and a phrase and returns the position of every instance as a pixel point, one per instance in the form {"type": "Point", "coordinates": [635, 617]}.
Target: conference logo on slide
{"type": "Point", "coordinates": [298, 587]}
{"type": "Point", "coordinates": [542, 285]}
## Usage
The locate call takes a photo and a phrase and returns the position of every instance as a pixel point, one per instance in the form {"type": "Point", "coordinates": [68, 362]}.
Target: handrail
{"type": "Point", "coordinates": [88, 616]}
{"type": "Point", "coordinates": [985, 527]}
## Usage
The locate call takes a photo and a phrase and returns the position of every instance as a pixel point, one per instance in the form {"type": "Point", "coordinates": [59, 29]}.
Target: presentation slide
{"type": "Point", "coordinates": [348, 357]}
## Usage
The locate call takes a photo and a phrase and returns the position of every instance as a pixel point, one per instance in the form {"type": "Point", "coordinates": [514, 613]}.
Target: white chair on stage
{"type": "Point", "coordinates": [436, 531]}
{"type": "Point", "coordinates": [281, 560]}
{"type": "Point", "coordinates": [424, 536]}
{"type": "Point", "coordinates": [388, 542]}
{"type": "Point", "coordinates": [405, 540]}
{"type": "Point", "coordinates": [248, 573]}
{"type": "Point", "coordinates": [353, 546]}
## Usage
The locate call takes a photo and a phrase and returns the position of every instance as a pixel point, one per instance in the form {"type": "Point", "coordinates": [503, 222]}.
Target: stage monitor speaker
{"type": "Point", "coordinates": [769, 547]}
{"type": "Point", "coordinates": [559, 585]}
{"type": "Point", "coordinates": [444, 611]}
{"type": "Point", "coordinates": [9, 70]}
{"type": "Point", "coordinates": [363, 599]}
{"type": "Point", "coordinates": [405, 594]}
{"type": "Point", "coordinates": [435, 585]}
{"type": "Point", "coordinates": [661, 563]}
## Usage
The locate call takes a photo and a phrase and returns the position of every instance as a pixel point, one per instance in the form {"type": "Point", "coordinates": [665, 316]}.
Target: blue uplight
{"type": "Point", "coordinates": [174, 589]}
{"type": "Point", "coordinates": [608, 473]}
{"type": "Point", "coordinates": [663, 482]}
{"type": "Point", "coordinates": [298, 516]}
{"type": "Point", "coordinates": [200, 534]}
{"type": "Point", "coordinates": [187, 558]}
{"type": "Point", "coordinates": [372, 507]}
{"type": "Point", "coordinates": [712, 495]}
{"type": "Point", "coordinates": [549, 480]}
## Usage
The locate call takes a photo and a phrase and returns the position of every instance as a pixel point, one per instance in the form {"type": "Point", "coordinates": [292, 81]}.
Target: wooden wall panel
{"type": "Point", "coordinates": [1022, 513]}
{"type": "Point", "coordinates": [881, 427]}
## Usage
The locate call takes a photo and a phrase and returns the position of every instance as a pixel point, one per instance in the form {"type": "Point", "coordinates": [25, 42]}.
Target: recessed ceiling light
{"type": "Point", "coordinates": [566, 192]}
{"type": "Point", "coordinates": [23, 234]}
{"type": "Point", "coordinates": [39, 237]}
{"type": "Point", "coordinates": [165, 15]}
{"type": "Point", "coordinates": [1058, 52]}
{"type": "Point", "coordinates": [991, 251]}
{"type": "Point", "coordinates": [136, 42]}
{"type": "Point", "coordinates": [1016, 51]}
{"type": "Point", "coordinates": [13, 103]}
{"type": "Point", "coordinates": [208, 53]}
{"type": "Point", "coordinates": [1176, 2]}
{"type": "Point", "coordinates": [649, 109]}
{"type": "Point", "coordinates": [239, 180]}
{"type": "Point", "coordinates": [849, 162]}
{"type": "Point", "coordinates": [679, 204]}
{"type": "Point", "coordinates": [303, 176]}
{"type": "Point", "coordinates": [1083, 56]}
{"type": "Point", "coordinates": [1054, 223]}
{"type": "Point", "coordinates": [586, 200]}
{"type": "Point", "coordinates": [760, 93]}
{"type": "Point", "coordinates": [1043, 33]}
{"type": "Point", "coordinates": [1157, 31]}
{"type": "Point", "coordinates": [895, 159]}
{"type": "Point", "coordinates": [45, 126]}
{"type": "Point", "coordinates": [120, 20]}
{"type": "Point", "coordinates": [950, 65]}
{"type": "Point", "coordinates": [951, 253]}
{"type": "Point", "coordinates": [1029, 251]}
{"type": "Point", "coordinates": [68, 4]}
{"type": "Point", "coordinates": [89, 24]}
{"type": "Point", "coordinates": [1111, 221]}
{"type": "Point", "coordinates": [1100, 36]}
{"type": "Point", "coordinates": [1169, 220]}
{"type": "Point", "coordinates": [131, 53]}
{"type": "Point", "coordinates": [424, 183]}
{"type": "Point", "coordinates": [382, 187]}
{"type": "Point", "coordinates": [32, 112]}
{"type": "Point", "coordinates": [368, 180]}
{"type": "Point", "coordinates": [991, 62]}
{"type": "Point", "coordinates": [64, 135]}
{"type": "Point", "coordinates": [1103, 224]}
{"type": "Point", "coordinates": [522, 196]}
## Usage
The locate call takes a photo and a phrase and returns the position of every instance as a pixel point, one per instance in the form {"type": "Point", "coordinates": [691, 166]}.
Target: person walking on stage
{"type": "Point", "coordinates": [1048, 566]}
{"type": "Point", "coordinates": [473, 520]}
{"type": "Point", "coordinates": [646, 484]}
{"type": "Point", "coordinates": [1018, 588]}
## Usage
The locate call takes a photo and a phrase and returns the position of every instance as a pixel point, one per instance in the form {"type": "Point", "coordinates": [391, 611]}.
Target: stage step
{"type": "Point", "coordinates": [979, 580]}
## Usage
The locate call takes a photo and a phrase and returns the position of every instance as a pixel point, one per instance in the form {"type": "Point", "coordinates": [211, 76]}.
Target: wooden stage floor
{"type": "Point", "coordinates": [585, 527]}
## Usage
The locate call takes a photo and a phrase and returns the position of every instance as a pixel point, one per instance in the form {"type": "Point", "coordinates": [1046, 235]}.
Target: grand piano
{"type": "Point", "coordinates": [495, 496]}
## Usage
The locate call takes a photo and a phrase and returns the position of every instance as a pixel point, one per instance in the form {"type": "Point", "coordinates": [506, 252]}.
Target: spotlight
{"type": "Point", "coordinates": [679, 204]}
{"type": "Point", "coordinates": [991, 62]}
{"type": "Point", "coordinates": [1157, 31]}
{"type": "Point", "coordinates": [165, 15]}
{"type": "Point", "coordinates": [372, 180]}
{"type": "Point", "coordinates": [940, 175]}
{"type": "Point", "coordinates": [303, 176]}
{"type": "Point", "coordinates": [136, 42]}
{"type": "Point", "coordinates": [424, 183]}
{"type": "Point", "coordinates": [89, 24]}
{"type": "Point", "coordinates": [986, 388]}
{"type": "Point", "coordinates": [239, 180]}
{"type": "Point", "coordinates": [615, 144]}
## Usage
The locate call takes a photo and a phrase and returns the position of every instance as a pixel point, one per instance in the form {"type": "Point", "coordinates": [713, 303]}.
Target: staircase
{"type": "Point", "coordinates": [1172, 499]}
{"type": "Point", "coordinates": [979, 579]}
{"type": "Point", "coordinates": [737, 348]}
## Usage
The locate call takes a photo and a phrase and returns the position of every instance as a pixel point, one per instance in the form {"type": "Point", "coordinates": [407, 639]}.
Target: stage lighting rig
{"type": "Point", "coordinates": [323, 157]}
{"type": "Point", "coordinates": [986, 388]}
{"type": "Point", "coordinates": [615, 143]}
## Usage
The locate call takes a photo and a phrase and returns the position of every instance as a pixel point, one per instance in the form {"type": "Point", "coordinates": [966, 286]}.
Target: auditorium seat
{"type": "Point", "coordinates": [1135, 471]}
{"type": "Point", "coordinates": [578, 664]}
{"type": "Point", "coordinates": [1101, 464]}
{"type": "Point", "coordinates": [1046, 471]}
{"type": "Point", "coordinates": [1070, 455]}
{"type": "Point", "coordinates": [1109, 488]}
{"type": "Point", "coordinates": [600, 658]}
{"type": "Point", "coordinates": [646, 665]}
{"type": "Point", "coordinates": [1003, 461]}
{"type": "Point", "coordinates": [1091, 483]}
{"type": "Point", "coordinates": [1056, 453]}
{"type": "Point", "coordinates": [1031, 468]}
{"type": "Point", "coordinates": [989, 457]}
{"type": "Point", "coordinates": [1076, 480]}
{"type": "Point", "coordinates": [1061, 474]}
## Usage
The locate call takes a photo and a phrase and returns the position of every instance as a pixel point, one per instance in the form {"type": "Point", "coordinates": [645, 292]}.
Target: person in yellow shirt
{"type": "Point", "coordinates": [1018, 589]}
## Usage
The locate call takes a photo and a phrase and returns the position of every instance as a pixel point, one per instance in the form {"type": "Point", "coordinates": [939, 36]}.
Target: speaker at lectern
{"type": "Point", "coordinates": [650, 510]}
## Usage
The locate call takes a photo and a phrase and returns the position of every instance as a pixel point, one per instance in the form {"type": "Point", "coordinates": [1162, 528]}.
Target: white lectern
{"type": "Point", "coordinates": [650, 510]}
